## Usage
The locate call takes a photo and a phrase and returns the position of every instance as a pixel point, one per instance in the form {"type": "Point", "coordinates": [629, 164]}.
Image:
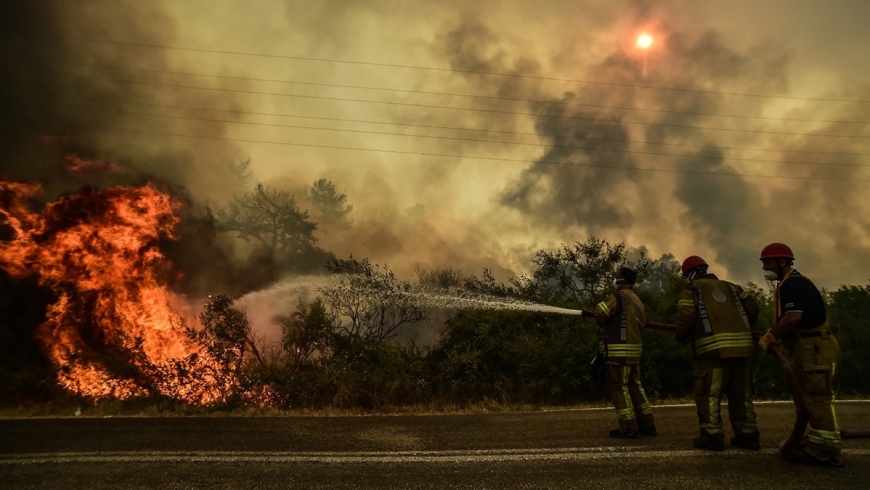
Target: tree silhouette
{"type": "Point", "coordinates": [271, 218]}
{"type": "Point", "coordinates": [330, 206]}
{"type": "Point", "coordinates": [369, 301]}
{"type": "Point", "coordinates": [578, 275]}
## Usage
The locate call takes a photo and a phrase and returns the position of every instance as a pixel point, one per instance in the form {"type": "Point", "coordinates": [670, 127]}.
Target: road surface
{"type": "Point", "coordinates": [529, 450]}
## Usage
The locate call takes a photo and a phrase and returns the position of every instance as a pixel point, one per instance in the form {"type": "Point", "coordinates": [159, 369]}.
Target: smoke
{"type": "Point", "coordinates": [572, 185]}
{"type": "Point", "coordinates": [68, 99]}
{"type": "Point", "coordinates": [599, 173]}
{"type": "Point", "coordinates": [280, 299]}
{"type": "Point", "coordinates": [719, 216]}
{"type": "Point", "coordinates": [539, 159]}
{"type": "Point", "coordinates": [730, 217]}
{"type": "Point", "coordinates": [79, 113]}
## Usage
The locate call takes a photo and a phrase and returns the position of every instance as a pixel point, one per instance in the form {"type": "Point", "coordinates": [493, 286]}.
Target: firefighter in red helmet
{"type": "Point", "coordinates": [620, 318]}
{"type": "Point", "coordinates": [715, 318]}
{"type": "Point", "coordinates": [801, 323]}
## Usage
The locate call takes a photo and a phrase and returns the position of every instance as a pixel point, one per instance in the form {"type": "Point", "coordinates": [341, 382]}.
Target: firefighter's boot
{"type": "Point", "coordinates": [710, 443]}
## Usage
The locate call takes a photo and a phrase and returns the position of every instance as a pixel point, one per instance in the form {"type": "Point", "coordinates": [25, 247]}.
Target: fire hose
{"type": "Point", "coordinates": [800, 404]}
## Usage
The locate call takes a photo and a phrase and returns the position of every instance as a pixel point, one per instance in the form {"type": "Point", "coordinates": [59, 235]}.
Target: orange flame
{"type": "Point", "coordinates": [112, 331]}
{"type": "Point", "coordinates": [78, 165]}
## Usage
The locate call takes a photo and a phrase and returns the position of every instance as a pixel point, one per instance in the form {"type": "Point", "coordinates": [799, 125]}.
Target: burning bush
{"type": "Point", "coordinates": [113, 331]}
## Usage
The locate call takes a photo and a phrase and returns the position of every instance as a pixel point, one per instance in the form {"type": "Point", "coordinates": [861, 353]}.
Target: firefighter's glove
{"type": "Point", "coordinates": [767, 339]}
{"type": "Point", "coordinates": [586, 314]}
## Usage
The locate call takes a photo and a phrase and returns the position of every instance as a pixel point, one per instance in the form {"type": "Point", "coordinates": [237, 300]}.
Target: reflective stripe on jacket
{"type": "Point", "coordinates": [716, 316]}
{"type": "Point", "coordinates": [621, 318]}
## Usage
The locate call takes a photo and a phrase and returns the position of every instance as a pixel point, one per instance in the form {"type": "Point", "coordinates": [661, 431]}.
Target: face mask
{"type": "Point", "coordinates": [771, 275]}
{"type": "Point", "coordinates": [618, 282]}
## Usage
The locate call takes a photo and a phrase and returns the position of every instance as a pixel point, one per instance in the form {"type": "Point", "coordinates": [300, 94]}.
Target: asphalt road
{"type": "Point", "coordinates": [562, 449]}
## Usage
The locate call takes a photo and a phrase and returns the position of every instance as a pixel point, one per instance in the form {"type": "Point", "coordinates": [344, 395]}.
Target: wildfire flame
{"type": "Point", "coordinates": [112, 331]}
{"type": "Point", "coordinates": [78, 165]}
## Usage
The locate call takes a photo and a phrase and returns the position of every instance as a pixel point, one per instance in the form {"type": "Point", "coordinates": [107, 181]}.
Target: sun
{"type": "Point", "coordinates": [644, 41]}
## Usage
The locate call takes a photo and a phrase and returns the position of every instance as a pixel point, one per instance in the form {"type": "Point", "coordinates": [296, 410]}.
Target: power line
{"type": "Point", "coordinates": [443, 155]}
{"type": "Point", "coordinates": [493, 111]}
{"type": "Point", "coordinates": [453, 128]}
{"type": "Point", "coordinates": [451, 94]}
{"type": "Point", "coordinates": [451, 70]}
{"type": "Point", "coordinates": [615, 150]}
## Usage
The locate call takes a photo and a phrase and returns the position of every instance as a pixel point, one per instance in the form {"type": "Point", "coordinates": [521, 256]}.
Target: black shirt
{"type": "Point", "coordinates": [797, 294]}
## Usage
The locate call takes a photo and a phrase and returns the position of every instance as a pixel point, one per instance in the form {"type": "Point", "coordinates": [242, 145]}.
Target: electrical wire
{"type": "Point", "coordinates": [451, 94]}
{"type": "Point", "coordinates": [615, 150]}
{"type": "Point", "coordinates": [445, 155]}
{"type": "Point", "coordinates": [450, 70]}
{"type": "Point", "coordinates": [453, 128]}
{"type": "Point", "coordinates": [493, 111]}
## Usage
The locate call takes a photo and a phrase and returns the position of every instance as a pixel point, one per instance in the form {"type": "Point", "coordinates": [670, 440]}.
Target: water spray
{"type": "Point", "coordinates": [474, 301]}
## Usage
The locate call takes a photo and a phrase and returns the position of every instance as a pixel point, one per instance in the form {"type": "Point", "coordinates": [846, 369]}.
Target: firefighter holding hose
{"type": "Point", "coordinates": [715, 318]}
{"type": "Point", "coordinates": [621, 319]}
{"type": "Point", "coordinates": [801, 323]}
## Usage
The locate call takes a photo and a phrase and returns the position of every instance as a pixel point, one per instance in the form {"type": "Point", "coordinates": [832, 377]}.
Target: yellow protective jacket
{"type": "Point", "coordinates": [716, 317]}
{"type": "Point", "coordinates": [621, 319]}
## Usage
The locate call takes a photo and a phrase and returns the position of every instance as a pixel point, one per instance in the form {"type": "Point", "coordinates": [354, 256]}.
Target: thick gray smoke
{"type": "Point", "coordinates": [719, 210]}
{"type": "Point", "coordinates": [727, 217]}
{"type": "Point", "coordinates": [539, 159]}
{"type": "Point", "coordinates": [74, 111]}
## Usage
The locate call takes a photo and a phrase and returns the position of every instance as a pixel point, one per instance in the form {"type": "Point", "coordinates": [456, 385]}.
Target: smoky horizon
{"type": "Point", "coordinates": [465, 137]}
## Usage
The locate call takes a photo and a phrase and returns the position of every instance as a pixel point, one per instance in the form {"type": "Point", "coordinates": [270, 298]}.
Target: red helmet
{"type": "Point", "coordinates": [691, 262]}
{"type": "Point", "coordinates": [776, 251]}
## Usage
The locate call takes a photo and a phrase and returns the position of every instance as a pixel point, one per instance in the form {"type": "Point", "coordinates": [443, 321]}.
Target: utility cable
{"type": "Point", "coordinates": [452, 128]}
{"type": "Point", "coordinates": [383, 133]}
{"type": "Point", "coordinates": [493, 111]}
{"type": "Point", "coordinates": [445, 155]}
{"type": "Point", "coordinates": [451, 94]}
{"type": "Point", "coordinates": [449, 70]}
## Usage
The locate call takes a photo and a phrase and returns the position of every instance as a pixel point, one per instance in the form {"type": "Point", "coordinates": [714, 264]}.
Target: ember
{"type": "Point", "coordinates": [77, 165]}
{"type": "Point", "coordinates": [113, 331]}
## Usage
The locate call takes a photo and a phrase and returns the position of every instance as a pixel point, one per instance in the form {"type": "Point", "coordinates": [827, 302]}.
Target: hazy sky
{"type": "Point", "coordinates": [536, 123]}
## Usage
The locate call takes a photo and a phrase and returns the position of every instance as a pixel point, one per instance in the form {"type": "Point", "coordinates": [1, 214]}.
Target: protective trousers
{"type": "Point", "coordinates": [729, 377]}
{"type": "Point", "coordinates": [814, 362]}
{"type": "Point", "coordinates": [629, 399]}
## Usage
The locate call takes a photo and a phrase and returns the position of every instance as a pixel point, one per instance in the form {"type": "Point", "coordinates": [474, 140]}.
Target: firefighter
{"type": "Point", "coordinates": [801, 323]}
{"type": "Point", "coordinates": [620, 318]}
{"type": "Point", "coordinates": [715, 318]}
